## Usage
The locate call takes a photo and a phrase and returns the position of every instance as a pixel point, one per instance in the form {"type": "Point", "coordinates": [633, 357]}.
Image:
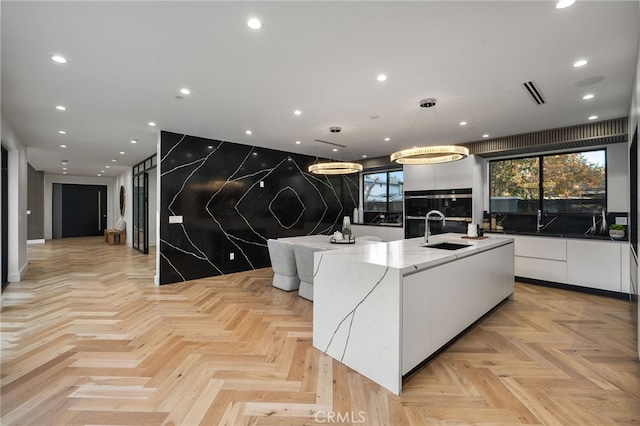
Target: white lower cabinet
{"type": "Point", "coordinates": [625, 268]}
{"type": "Point", "coordinates": [385, 233]}
{"type": "Point", "coordinates": [595, 264]}
{"type": "Point", "coordinates": [541, 258]}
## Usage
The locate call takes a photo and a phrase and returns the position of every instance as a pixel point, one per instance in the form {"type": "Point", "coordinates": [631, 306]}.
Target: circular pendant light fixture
{"type": "Point", "coordinates": [433, 154]}
{"type": "Point", "coordinates": [335, 168]}
{"type": "Point", "coordinates": [430, 154]}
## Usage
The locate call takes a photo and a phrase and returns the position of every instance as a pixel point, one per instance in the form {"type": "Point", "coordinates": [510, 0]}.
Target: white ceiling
{"type": "Point", "coordinates": [128, 61]}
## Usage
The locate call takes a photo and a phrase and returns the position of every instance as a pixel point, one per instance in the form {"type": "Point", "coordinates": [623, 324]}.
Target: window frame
{"type": "Point", "coordinates": [541, 194]}
{"type": "Point", "coordinates": [388, 204]}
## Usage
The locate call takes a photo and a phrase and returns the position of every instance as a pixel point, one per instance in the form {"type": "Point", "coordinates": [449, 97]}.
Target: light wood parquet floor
{"type": "Point", "coordinates": [88, 339]}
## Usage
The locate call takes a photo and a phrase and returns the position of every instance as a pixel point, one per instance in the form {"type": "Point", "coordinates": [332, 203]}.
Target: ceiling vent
{"type": "Point", "coordinates": [534, 92]}
{"type": "Point", "coordinates": [330, 143]}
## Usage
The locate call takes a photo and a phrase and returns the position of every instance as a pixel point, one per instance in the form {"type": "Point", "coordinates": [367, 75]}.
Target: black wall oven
{"type": "Point", "coordinates": [455, 204]}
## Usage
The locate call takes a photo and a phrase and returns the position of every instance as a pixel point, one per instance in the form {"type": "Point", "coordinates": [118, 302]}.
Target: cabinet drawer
{"type": "Point", "coordinates": [541, 269]}
{"type": "Point", "coordinates": [541, 248]}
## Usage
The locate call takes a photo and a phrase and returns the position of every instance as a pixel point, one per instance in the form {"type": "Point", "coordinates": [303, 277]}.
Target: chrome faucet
{"type": "Point", "coordinates": [539, 224]}
{"type": "Point", "coordinates": [427, 228]}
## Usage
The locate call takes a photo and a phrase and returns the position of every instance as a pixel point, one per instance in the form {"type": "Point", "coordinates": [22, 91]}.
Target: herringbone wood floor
{"type": "Point", "coordinates": [88, 339]}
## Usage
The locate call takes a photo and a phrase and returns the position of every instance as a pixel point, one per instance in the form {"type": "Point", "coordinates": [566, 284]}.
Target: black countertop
{"type": "Point", "coordinates": [559, 235]}
{"type": "Point", "coordinates": [393, 225]}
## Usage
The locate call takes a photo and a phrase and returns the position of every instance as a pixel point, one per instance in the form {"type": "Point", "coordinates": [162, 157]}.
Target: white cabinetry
{"type": "Point", "coordinates": [385, 233]}
{"type": "Point", "coordinates": [625, 268]}
{"type": "Point", "coordinates": [595, 264]}
{"type": "Point", "coordinates": [418, 177]}
{"type": "Point", "coordinates": [541, 258]}
{"type": "Point", "coordinates": [454, 175]}
{"type": "Point", "coordinates": [439, 303]}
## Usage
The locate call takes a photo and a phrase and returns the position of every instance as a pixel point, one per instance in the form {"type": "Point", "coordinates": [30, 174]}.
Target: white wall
{"type": "Point", "coordinates": [17, 214]}
{"type": "Point", "coordinates": [618, 178]}
{"type": "Point", "coordinates": [50, 179]}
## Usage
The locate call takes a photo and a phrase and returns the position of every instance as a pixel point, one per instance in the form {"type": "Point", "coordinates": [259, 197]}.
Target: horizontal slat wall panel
{"type": "Point", "coordinates": [591, 134]}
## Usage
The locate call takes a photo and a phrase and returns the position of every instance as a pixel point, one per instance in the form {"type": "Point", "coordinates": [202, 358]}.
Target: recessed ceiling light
{"type": "Point", "coordinates": [381, 77]}
{"type": "Point", "coordinates": [134, 140]}
{"type": "Point", "coordinates": [185, 91]}
{"type": "Point", "coordinates": [387, 139]}
{"type": "Point", "coordinates": [254, 24]}
{"type": "Point", "coordinates": [64, 173]}
{"type": "Point", "coordinates": [59, 59]}
{"type": "Point", "coordinates": [564, 3]}
{"type": "Point", "coordinates": [121, 152]}
{"type": "Point", "coordinates": [593, 117]}
{"type": "Point", "coordinates": [297, 112]}
{"type": "Point", "coordinates": [106, 167]}
{"type": "Point", "coordinates": [152, 124]}
{"type": "Point", "coordinates": [255, 153]}
{"type": "Point", "coordinates": [580, 63]}
{"type": "Point", "coordinates": [298, 142]}
{"type": "Point", "coordinates": [364, 156]}
{"type": "Point", "coordinates": [249, 132]}
{"type": "Point", "coordinates": [61, 108]}
{"type": "Point", "coordinates": [64, 168]}
{"type": "Point", "coordinates": [335, 149]}
{"type": "Point", "coordinates": [463, 123]}
{"type": "Point", "coordinates": [63, 146]}
{"type": "Point", "coordinates": [586, 97]}
{"type": "Point", "coordinates": [62, 132]}
{"type": "Point", "coordinates": [485, 135]}
{"type": "Point", "coordinates": [99, 174]}
{"type": "Point", "coordinates": [114, 160]}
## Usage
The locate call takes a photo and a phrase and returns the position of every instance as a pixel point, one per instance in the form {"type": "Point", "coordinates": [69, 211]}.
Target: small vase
{"type": "Point", "coordinates": [604, 229]}
{"type": "Point", "coordinates": [346, 227]}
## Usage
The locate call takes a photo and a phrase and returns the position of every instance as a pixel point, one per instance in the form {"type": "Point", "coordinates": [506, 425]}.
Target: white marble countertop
{"type": "Point", "coordinates": [410, 256]}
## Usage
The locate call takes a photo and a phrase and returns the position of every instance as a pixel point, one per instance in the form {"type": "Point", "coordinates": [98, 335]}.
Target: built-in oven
{"type": "Point", "coordinates": [455, 204]}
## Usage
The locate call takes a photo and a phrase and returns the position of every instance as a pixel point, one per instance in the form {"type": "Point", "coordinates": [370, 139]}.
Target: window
{"type": "Point", "coordinates": [383, 196]}
{"type": "Point", "coordinates": [561, 183]}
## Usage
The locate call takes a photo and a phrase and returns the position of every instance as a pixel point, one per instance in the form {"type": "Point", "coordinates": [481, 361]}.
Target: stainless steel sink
{"type": "Point", "coordinates": [446, 246]}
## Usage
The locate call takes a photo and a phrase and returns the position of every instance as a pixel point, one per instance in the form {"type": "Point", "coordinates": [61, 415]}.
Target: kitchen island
{"type": "Point", "coordinates": [383, 309]}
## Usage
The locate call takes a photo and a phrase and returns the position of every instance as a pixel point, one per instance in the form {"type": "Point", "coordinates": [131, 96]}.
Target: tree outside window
{"type": "Point", "coordinates": [569, 183]}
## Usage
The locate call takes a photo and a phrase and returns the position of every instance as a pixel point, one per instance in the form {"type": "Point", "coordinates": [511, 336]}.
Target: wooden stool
{"type": "Point", "coordinates": [113, 236]}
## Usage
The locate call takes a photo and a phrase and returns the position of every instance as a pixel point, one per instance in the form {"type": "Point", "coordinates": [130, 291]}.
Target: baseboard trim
{"type": "Point", "coordinates": [580, 289]}
{"type": "Point", "coordinates": [17, 277]}
{"type": "Point", "coordinates": [39, 241]}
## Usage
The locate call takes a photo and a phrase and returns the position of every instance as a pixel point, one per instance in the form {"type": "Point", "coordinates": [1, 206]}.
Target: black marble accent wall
{"type": "Point", "coordinates": [234, 197]}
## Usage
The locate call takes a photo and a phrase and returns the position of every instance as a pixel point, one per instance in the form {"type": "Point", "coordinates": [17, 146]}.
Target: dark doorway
{"type": "Point", "coordinates": [79, 210]}
{"type": "Point", "coordinates": [5, 219]}
{"type": "Point", "coordinates": [141, 203]}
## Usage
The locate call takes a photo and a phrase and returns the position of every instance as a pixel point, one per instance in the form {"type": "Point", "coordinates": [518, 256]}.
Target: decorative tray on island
{"type": "Point", "coordinates": [349, 240]}
{"type": "Point", "coordinates": [466, 237]}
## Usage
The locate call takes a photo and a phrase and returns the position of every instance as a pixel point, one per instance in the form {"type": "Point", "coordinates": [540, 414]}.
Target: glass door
{"type": "Point", "coordinates": [141, 212]}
